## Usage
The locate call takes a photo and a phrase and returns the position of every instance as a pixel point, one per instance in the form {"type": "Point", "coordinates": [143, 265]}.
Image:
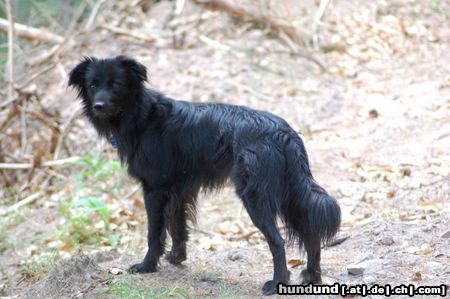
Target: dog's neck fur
{"type": "Point", "coordinates": [149, 108]}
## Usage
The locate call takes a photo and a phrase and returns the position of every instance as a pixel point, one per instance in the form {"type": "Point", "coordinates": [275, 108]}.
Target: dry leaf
{"type": "Point", "coordinates": [67, 246]}
{"type": "Point", "coordinates": [294, 263]}
{"type": "Point", "coordinates": [417, 276]}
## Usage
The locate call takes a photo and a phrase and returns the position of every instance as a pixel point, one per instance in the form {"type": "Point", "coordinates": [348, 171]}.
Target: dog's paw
{"type": "Point", "coordinates": [176, 257]}
{"type": "Point", "coordinates": [308, 277]}
{"type": "Point", "coordinates": [270, 287]}
{"type": "Point", "coordinates": [142, 268]}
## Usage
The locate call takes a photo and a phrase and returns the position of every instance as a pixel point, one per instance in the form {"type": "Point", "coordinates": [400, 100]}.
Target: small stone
{"type": "Point", "coordinates": [377, 231]}
{"type": "Point", "coordinates": [115, 271]}
{"type": "Point", "coordinates": [355, 270]}
{"type": "Point", "coordinates": [338, 239]}
{"type": "Point", "coordinates": [234, 256]}
{"type": "Point", "coordinates": [405, 172]}
{"type": "Point", "coordinates": [373, 113]}
{"type": "Point", "coordinates": [387, 240]}
{"type": "Point", "coordinates": [446, 235]}
{"type": "Point", "coordinates": [435, 267]}
{"type": "Point", "coordinates": [427, 229]}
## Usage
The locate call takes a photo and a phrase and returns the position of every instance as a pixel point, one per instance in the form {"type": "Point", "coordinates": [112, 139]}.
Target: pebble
{"type": "Point", "coordinates": [446, 235]}
{"type": "Point", "coordinates": [387, 240]}
{"type": "Point", "coordinates": [434, 267]}
{"type": "Point", "coordinates": [234, 256]}
{"type": "Point", "coordinates": [338, 239]}
{"type": "Point", "coordinates": [369, 266]}
{"type": "Point", "coordinates": [355, 270]}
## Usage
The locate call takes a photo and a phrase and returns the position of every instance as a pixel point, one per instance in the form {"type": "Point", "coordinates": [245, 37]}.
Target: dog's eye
{"type": "Point", "coordinates": [93, 86]}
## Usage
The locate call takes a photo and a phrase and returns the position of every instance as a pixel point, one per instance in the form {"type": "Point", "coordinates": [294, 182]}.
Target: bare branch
{"type": "Point", "coordinates": [121, 31]}
{"type": "Point", "coordinates": [93, 15]}
{"type": "Point", "coordinates": [10, 68]}
{"type": "Point", "coordinates": [24, 166]}
{"type": "Point", "coordinates": [25, 201]}
{"type": "Point", "coordinates": [31, 33]}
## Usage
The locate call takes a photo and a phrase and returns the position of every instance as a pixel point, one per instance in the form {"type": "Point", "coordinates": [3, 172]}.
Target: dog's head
{"type": "Point", "coordinates": [107, 86]}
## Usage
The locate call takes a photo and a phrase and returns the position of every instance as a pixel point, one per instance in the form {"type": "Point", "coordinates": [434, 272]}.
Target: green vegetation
{"type": "Point", "coordinates": [124, 288]}
{"type": "Point", "coordinates": [225, 292]}
{"type": "Point", "coordinates": [55, 15]}
{"type": "Point", "coordinates": [436, 6]}
{"type": "Point", "coordinates": [87, 217]}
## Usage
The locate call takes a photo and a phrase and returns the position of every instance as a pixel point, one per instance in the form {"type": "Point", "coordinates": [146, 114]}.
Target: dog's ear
{"type": "Point", "coordinates": [135, 68]}
{"type": "Point", "coordinates": [77, 76]}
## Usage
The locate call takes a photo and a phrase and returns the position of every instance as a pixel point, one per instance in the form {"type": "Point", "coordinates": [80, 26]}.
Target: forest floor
{"type": "Point", "coordinates": [376, 124]}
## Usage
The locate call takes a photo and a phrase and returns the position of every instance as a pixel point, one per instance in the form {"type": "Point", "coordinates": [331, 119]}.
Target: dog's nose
{"type": "Point", "coordinates": [99, 105]}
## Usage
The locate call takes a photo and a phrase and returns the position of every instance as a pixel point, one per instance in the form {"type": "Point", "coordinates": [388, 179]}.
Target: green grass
{"type": "Point", "coordinates": [123, 288]}
{"type": "Point", "coordinates": [436, 6]}
{"type": "Point", "coordinates": [225, 292]}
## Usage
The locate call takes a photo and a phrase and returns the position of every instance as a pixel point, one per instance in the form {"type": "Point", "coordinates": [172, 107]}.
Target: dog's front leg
{"type": "Point", "coordinates": [154, 205]}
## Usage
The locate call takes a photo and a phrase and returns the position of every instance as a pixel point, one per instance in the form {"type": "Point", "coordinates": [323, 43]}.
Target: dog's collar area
{"type": "Point", "coordinates": [114, 142]}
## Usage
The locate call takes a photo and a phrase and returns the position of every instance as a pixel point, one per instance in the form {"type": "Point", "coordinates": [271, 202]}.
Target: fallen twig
{"type": "Point", "coordinates": [209, 234]}
{"type": "Point", "coordinates": [214, 44]}
{"type": "Point", "coordinates": [34, 77]}
{"type": "Point", "coordinates": [50, 123]}
{"type": "Point", "coordinates": [22, 166]}
{"type": "Point", "coordinates": [321, 11]}
{"type": "Point", "coordinates": [76, 17]}
{"type": "Point", "coordinates": [121, 31]}
{"type": "Point", "coordinates": [11, 114]}
{"type": "Point", "coordinates": [132, 192]}
{"type": "Point", "coordinates": [179, 5]}
{"type": "Point", "coordinates": [245, 236]}
{"type": "Point", "coordinates": [25, 201]}
{"type": "Point", "coordinates": [31, 33]}
{"type": "Point", "coordinates": [317, 20]}
{"type": "Point", "coordinates": [65, 130]}
{"type": "Point", "coordinates": [42, 57]}
{"type": "Point", "coordinates": [274, 26]}
{"type": "Point", "coordinates": [23, 131]}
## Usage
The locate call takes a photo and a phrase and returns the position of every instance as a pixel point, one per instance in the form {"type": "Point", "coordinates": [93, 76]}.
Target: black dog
{"type": "Point", "coordinates": [174, 148]}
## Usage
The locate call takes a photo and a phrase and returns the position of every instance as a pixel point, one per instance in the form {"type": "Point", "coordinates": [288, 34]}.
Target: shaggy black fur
{"type": "Point", "coordinates": [175, 148]}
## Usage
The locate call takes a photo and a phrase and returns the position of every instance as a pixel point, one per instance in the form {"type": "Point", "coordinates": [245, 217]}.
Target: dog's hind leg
{"type": "Point", "coordinates": [257, 202]}
{"type": "Point", "coordinates": [154, 204]}
{"type": "Point", "coordinates": [312, 272]}
{"type": "Point", "coordinates": [266, 223]}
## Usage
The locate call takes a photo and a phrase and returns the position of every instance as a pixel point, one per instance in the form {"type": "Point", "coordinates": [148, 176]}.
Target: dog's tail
{"type": "Point", "coordinates": [308, 211]}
